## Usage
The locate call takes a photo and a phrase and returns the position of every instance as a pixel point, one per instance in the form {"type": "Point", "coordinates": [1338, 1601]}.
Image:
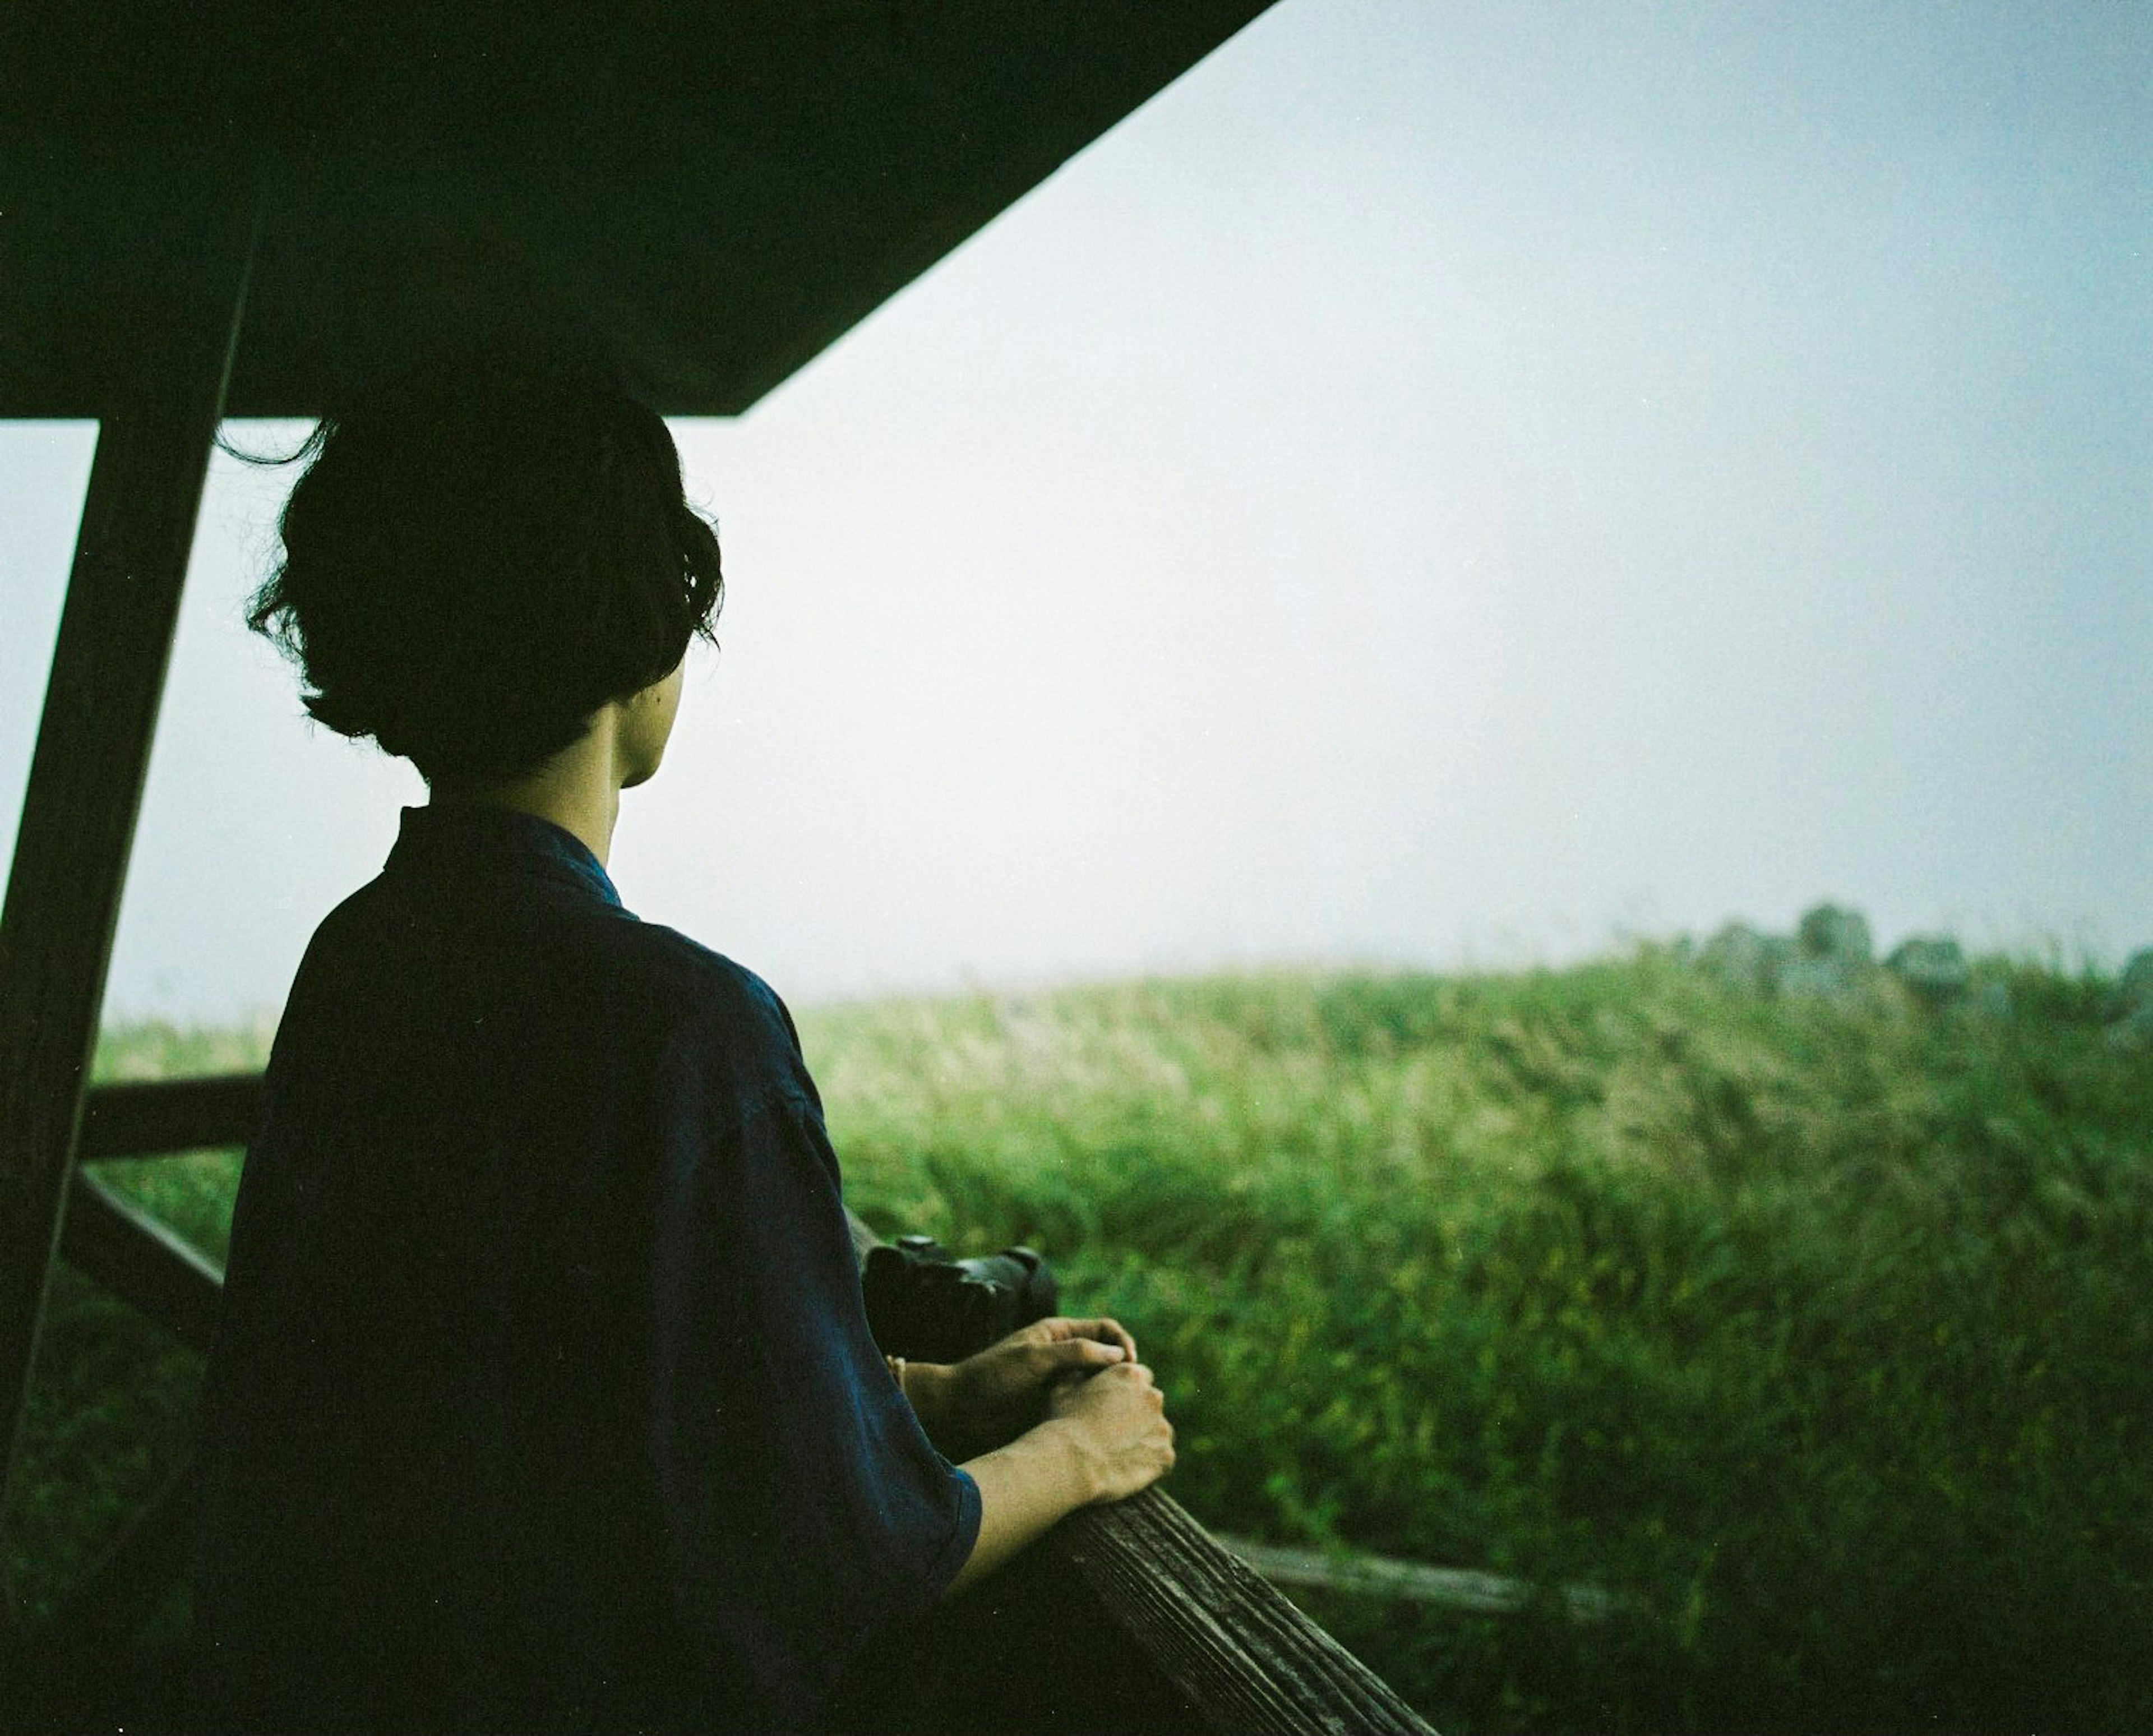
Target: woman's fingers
{"type": "Point", "coordinates": [1075, 1355]}
{"type": "Point", "coordinates": [1059, 1328]}
{"type": "Point", "coordinates": [1047, 1352]}
{"type": "Point", "coordinates": [1105, 1331]}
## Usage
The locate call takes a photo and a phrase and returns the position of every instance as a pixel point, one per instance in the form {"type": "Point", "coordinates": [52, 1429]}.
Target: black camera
{"type": "Point", "coordinates": [923, 1304]}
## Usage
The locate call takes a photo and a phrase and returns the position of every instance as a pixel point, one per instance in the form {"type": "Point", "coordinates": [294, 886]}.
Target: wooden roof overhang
{"type": "Point", "coordinates": [706, 194]}
{"type": "Point", "coordinates": [235, 207]}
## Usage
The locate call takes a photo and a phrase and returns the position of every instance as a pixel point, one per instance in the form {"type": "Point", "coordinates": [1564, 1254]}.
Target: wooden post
{"type": "Point", "coordinates": [85, 788]}
{"type": "Point", "coordinates": [114, 1243]}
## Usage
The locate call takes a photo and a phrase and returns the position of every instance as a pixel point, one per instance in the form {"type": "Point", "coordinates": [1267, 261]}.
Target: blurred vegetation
{"type": "Point", "coordinates": [1822, 1327]}
{"type": "Point", "coordinates": [112, 1408]}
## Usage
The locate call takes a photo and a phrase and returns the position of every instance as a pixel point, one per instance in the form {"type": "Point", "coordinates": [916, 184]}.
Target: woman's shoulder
{"type": "Point", "coordinates": [715, 1005]}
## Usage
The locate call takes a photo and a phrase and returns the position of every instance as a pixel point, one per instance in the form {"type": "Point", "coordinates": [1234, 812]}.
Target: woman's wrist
{"type": "Point", "coordinates": [926, 1386]}
{"type": "Point", "coordinates": [1040, 1477]}
{"type": "Point", "coordinates": [1065, 1441]}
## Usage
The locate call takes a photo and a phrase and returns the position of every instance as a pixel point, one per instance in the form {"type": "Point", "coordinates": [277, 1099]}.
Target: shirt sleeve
{"type": "Point", "coordinates": [805, 1507]}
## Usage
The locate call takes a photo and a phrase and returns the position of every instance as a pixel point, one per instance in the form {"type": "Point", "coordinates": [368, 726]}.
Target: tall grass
{"type": "Point", "coordinates": [1822, 1329]}
{"type": "Point", "coordinates": [1826, 1329]}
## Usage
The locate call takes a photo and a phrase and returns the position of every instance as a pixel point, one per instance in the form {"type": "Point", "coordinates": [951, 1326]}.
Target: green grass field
{"type": "Point", "coordinates": [1825, 1331]}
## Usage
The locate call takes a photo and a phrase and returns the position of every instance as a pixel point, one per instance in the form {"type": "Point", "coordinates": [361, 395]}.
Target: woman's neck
{"type": "Point", "coordinates": [578, 789]}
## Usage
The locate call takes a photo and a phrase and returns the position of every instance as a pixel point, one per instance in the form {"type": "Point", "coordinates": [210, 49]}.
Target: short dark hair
{"type": "Point", "coordinates": [478, 557]}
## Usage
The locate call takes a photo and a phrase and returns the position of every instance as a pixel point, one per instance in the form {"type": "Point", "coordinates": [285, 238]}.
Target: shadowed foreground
{"type": "Point", "coordinates": [1816, 1325]}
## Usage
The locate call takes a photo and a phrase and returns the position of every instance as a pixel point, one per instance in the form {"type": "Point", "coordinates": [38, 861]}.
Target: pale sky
{"type": "Point", "coordinates": [1440, 484]}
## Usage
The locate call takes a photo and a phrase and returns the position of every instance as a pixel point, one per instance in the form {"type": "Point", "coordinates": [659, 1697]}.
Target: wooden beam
{"type": "Point", "coordinates": [1461, 1588]}
{"type": "Point", "coordinates": [152, 1117]}
{"type": "Point", "coordinates": [141, 1261]}
{"type": "Point", "coordinates": [1218, 1630]}
{"type": "Point", "coordinates": [85, 788]}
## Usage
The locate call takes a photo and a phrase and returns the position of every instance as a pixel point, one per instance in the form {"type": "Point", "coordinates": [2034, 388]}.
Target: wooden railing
{"type": "Point", "coordinates": [1229, 1642]}
{"type": "Point", "coordinates": [123, 1248]}
{"type": "Point", "coordinates": [1226, 1639]}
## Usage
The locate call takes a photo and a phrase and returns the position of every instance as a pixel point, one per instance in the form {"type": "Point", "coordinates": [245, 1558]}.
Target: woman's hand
{"type": "Point", "coordinates": [1106, 1437]}
{"type": "Point", "coordinates": [1118, 1424]}
{"type": "Point", "coordinates": [1001, 1392]}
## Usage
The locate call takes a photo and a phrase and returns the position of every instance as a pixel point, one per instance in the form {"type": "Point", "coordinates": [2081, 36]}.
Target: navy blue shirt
{"type": "Point", "coordinates": [544, 1397]}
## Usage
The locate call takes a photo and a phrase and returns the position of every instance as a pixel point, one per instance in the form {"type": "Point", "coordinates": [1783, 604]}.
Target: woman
{"type": "Point", "coordinates": [544, 1397]}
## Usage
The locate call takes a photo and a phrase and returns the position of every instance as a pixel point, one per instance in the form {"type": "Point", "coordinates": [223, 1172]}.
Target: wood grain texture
{"type": "Point", "coordinates": [1221, 1633]}
{"type": "Point", "coordinates": [158, 1117]}
{"type": "Point", "coordinates": [1225, 1638]}
{"type": "Point", "coordinates": [1463, 1588]}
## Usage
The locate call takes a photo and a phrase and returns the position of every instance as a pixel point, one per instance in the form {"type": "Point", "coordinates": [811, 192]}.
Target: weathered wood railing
{"type": "Point", "coordinates": [1214, 1627]}
{"type": "Point", "coordinates": [1229, 1642]}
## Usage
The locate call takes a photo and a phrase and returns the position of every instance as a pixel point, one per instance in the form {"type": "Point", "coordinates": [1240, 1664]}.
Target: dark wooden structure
{"type": "Point", "coordinates": [235, 208]}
